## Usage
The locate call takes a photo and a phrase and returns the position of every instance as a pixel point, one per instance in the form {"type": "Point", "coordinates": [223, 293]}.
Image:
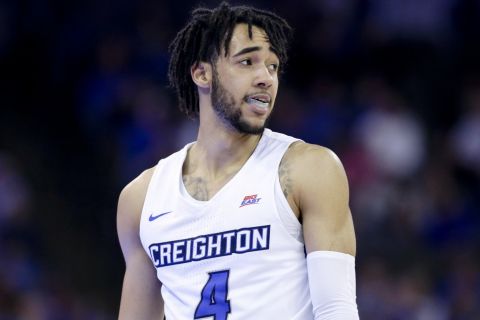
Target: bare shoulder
{"type": "Point", "coordinates": [133, 194]}
{"type": "Point", "coordinates": [306, 153]}
{"type": "Point", "coordinates": [305, 164]}
{"type": "Point", "coordinates": [319, 188]}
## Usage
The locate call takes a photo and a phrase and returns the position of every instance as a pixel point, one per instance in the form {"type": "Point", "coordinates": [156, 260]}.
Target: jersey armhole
{"type": "Point", "coordinates": [146, 201]}
{"type": "Point", "coordinates": [285, 213]}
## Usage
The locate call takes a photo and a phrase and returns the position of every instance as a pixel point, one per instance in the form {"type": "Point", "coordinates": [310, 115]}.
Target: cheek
{"type": "Point", "coordinates": [275, 86]}
{"type": "Point", "coordinates": [237, 88]}
{"type": "Point", "coordinates": [274, 89]}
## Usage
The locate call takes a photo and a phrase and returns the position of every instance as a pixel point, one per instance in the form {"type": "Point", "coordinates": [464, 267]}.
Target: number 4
{"type": "Point", "coordinates": [214, 301]}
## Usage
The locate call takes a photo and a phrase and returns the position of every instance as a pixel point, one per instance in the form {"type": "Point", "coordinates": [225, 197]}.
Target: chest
{"type": "Point", "coordinates": [203, 189]}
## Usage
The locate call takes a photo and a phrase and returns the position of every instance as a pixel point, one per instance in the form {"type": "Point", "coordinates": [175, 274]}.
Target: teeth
{"type": "Point", "coordinates": [258, 103]}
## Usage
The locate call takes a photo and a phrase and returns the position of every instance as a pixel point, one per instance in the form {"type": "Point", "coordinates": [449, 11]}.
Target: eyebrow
{"type": "Point", "coordinates": [250, 49]}
{"type": "Point", "coordinates": [247, 50]}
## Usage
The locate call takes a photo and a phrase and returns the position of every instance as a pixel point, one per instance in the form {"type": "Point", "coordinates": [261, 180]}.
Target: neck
{"type": "Point", "coordinates": [218, 148]}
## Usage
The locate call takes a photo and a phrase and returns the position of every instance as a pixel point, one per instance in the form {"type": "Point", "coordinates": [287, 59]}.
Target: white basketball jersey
{"type": "Point", "coordinates": [239, 255]}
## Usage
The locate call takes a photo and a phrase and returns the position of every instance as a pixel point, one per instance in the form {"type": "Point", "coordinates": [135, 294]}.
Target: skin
{"type": "Point", "coordinates": [312, 177]}
{"type": "Point", "coordinates": [141, 298]}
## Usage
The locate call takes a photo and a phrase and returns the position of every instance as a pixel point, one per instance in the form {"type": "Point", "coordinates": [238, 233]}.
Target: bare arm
{"type": "Point", "coordinates": [141, 297]}
{"type": "Point", "coordinates": [316, 187]}
{"type": "Point", "coordinates": [318, 193]}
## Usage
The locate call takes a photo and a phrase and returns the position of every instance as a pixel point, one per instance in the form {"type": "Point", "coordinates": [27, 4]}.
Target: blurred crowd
{"type": "Point", "coordinates": [393, 87]}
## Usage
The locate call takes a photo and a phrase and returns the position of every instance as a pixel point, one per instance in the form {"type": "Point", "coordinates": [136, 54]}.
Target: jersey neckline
{"type": "Point", "coordinates": [188, 197]}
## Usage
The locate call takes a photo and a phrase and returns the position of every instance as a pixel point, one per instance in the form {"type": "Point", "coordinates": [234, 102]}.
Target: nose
{"type": "Point", "coordinates": [264, 79]}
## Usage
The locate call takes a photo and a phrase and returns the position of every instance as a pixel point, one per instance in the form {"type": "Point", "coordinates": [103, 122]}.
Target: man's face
{"type": "Point", "coordinates": [245, 82]}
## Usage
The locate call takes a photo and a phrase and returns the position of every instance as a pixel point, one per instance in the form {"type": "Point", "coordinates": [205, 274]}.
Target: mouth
{"type": "Point", "coordinates": [261, 101]}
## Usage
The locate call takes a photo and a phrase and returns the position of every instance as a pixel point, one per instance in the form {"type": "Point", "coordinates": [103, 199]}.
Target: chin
{"type": "Point", "coordinates": [243, 126]}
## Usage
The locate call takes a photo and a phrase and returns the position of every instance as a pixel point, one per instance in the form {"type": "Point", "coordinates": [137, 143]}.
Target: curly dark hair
{"type": "Point", "coordinates": [201, 40]}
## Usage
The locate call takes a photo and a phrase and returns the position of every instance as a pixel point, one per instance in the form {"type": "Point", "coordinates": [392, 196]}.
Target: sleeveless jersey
{"type": "Point", "coordinates": [239, 255]}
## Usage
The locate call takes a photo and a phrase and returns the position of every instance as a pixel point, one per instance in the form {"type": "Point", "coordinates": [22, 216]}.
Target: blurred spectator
{"type": "Point", "coordinates": [327, 119]}
{"type": "Point", "coordinates": [146, 134]}
{"type": "Point", "coordinates": [390, 133]}
{"type": "Point", "coordinates": [14, 191]}
{"type": "Point", "coordinates": [427, 20]}
{"type": "Point", "coordinates": [465, 135]}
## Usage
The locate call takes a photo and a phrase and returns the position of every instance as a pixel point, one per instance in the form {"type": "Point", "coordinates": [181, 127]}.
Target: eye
{"type": "Point", "coordinates": [246, 62]}
{"type": "Point", "coordinates": [273, 67]}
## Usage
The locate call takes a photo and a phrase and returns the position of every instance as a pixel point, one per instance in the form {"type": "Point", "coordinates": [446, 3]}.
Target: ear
{"type": "Point", "coordinates": [202, 74]}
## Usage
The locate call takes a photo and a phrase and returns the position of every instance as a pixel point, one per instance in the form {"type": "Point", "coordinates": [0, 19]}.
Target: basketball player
{"type": "Point", "coordinates": [243, 223]}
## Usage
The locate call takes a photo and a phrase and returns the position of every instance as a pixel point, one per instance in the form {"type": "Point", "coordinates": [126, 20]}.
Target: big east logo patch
{"type": "Point", "coordinates": [250, 200]}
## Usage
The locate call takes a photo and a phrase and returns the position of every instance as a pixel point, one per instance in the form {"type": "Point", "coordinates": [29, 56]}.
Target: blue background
{"type": "Point", "coordinates": [392, 86]}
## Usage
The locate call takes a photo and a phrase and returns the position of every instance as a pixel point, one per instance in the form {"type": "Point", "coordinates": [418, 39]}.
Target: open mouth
{"type": "Point", "coordinates": [261, 101]}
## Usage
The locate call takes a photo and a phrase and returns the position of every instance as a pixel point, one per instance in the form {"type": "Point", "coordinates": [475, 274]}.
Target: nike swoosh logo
{"type": "Point", "coordinates": [152, 217]}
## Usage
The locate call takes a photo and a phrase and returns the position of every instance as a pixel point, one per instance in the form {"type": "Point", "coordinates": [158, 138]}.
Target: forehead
{"type": "Point", "coordinates": [240, 38]}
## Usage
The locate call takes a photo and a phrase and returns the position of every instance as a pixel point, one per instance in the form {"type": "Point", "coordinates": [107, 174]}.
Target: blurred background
{"type": "Point", "coordinates": [392, 86]}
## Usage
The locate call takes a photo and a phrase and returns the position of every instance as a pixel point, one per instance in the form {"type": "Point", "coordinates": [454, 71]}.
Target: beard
{"type": "Point", "coordinates": [231, 115]}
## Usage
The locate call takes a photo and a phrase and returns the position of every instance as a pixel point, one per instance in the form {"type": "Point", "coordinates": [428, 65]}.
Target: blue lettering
{"type": "Point", "coordinates": [209, 246]}
{"type": "Point", "coordinates": [198, 248]}
{"type": "Point", "coordinates": [178, 253]}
